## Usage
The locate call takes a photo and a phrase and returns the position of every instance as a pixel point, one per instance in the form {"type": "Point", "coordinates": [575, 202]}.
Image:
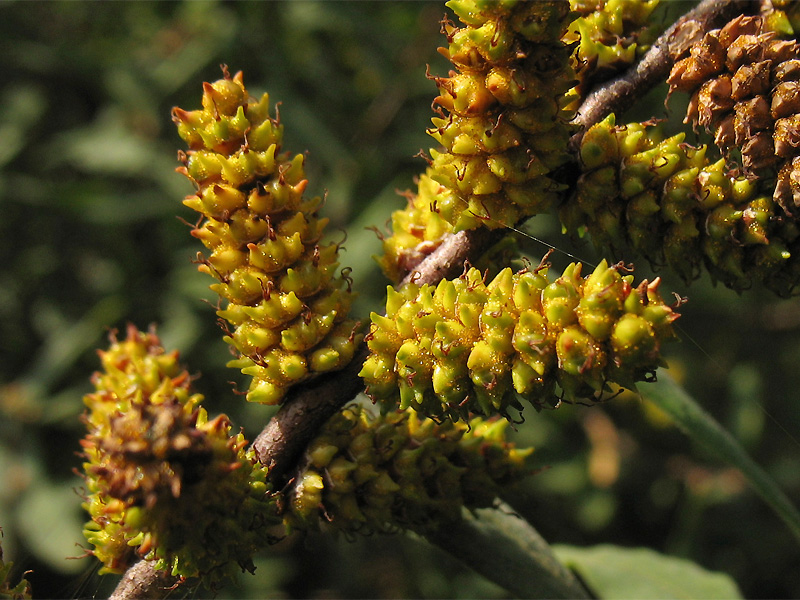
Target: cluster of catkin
{"type": "Point", "coordinates": [168, 484]}
{"type": "Point", "coordinates": [365, 473]}
{"type": "Point", "coordinates": [466, 346]}
{"type": "Point", "coordinates": [675, 205]}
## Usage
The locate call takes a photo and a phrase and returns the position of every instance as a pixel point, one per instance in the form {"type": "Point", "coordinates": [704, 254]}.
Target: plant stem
{"type": "Point", "coordinates": [296, 423]}
{"type": "Point", "coordinates": [507, 550]}
{"type": "Point", "coordinates": [695, 422]}
{"type": "Point", "coordinates": [142, 580]}
{"type": "Point", "coordinates": [618, 95]}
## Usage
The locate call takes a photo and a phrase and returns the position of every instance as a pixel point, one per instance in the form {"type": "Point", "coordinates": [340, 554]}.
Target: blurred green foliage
{"type": "Point", "coordinates": [89, 240]}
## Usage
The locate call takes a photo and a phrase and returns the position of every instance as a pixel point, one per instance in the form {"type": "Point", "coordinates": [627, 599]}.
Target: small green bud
{"type": "Point", "coordinates": [633, 339]}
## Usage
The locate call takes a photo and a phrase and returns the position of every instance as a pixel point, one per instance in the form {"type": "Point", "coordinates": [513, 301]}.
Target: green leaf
{"type": "Point", "coordinates": [695, 422]}
{"type": "Point", "coordinates": [53, 538]}
{"type": "Point", "coordinates": [613, 572]}
{"type": "Point", "coordinates": [507, 550]}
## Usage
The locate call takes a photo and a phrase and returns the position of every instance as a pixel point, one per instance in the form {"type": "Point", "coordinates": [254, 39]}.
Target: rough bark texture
{"type": "Point", "coordinates": [619, 94]}
{"type": "Point", "coordinates": [295, 424]}
{"type": "Point", "coordinates": [143, 581]}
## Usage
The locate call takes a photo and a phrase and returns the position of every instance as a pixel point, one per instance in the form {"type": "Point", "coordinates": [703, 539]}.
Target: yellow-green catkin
{"type": "Point", "coordinates": [18, 591]}
{"type": "Point", "coordinates": [501, 123]}
{"type": "Point", "coordinates": [286, 303]}
{"type": "Point", "coordinates": [782, 16]}
{"type": "Point", "coordinates": [465, 346]}
{"type": "Point", "coordinates": [369, 473]}
{"type": "Point", "coordinates": [666, 201]}
{"type": "Point", "coordinates": [609, 35]}
{"type": "Point", "coordinates": [163, 482]}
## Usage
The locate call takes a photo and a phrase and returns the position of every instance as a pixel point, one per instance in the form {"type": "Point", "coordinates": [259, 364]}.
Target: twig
{"type": "Point", "coordinates": [310, 405]}
{"type": "Point", "coordinates": [447, 261]}
{"type": "Point", "coordinates": [142, 580]}
{"type": "Point", "coordinates": [298, 420]}
{"type": "Point", "coordinates": [619, 94]}
{"type": "Point", "coordinates": [507, 549]}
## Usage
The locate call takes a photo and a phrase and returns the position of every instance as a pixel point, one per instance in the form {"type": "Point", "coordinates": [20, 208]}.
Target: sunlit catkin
{"type": "Point", "coordinates": [163, 482]}
{"type": "Point", "coordinates": [465, 346]}
{"type": "Point", "coordinates": [285, 301]}
{"type": "Point", "coordinates": [501, 124]}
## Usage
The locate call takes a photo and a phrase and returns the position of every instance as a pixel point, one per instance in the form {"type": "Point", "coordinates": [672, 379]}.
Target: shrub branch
{"type": "Point", "coordinates": [620, 94]}
{"type": "Point", "coordinates": [310, 405]}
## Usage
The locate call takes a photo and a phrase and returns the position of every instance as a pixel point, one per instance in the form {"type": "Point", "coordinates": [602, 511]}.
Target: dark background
{"type": "Point", "coordinates": [89, 240]}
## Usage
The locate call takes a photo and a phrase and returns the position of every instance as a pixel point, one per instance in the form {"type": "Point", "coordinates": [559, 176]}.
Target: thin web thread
{"type": "Point", "coordinates": [683, 332]}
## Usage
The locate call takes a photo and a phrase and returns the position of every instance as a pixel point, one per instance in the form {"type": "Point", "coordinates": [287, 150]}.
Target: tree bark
{"type": "Point", "coordinates": [142, 580]}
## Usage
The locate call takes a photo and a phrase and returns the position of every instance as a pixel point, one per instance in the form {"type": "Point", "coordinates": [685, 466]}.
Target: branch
{"type": "Point", "coordinates": [311, 404]}
{"type": "Point", "coordinates": [308, 407]}
{"type": "Point", "coordinates": [142, 580]}
{"type": "Point", "coordinates": [619, 94]}
{"type": "Point", "coordinates": [447, 261]}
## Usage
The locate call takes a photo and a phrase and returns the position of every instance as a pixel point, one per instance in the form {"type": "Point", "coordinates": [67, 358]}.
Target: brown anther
{"type": "Point", "coordinates": [467, 267]}
{"type": "Point", "coordinates": [460, 175]}
{"type": "Point", "coordinates": [424, 156]}
{"type": "Point", "coordinates": [544, 263]}
{"type": "Point", "coordinates": [267, 286]}
{"type": "Point", "coordinates": [348, 279]}
{"type": "Point", "coordinates": [225, 326]}
{"type": "Point", "coordinates": [315, 257]}
{"type": "Point", "coordinates": [195, 225]}
{"type": "Point", "coordinates": [447, 28]}
{"type": "Point", "coordinates": [487, 216]}
{"type": "Point", "coordinates": [414, 276]}
{"type": "Point", "coordinates": [378, 233]}
{"type": "Point", "coordinates": [679, 300]}
{"type": "Point", "coordinates": [271, 233]}
{"type": "Point", "coordinates": [532, 158]}
{"type": "Point", "coordinates": [245, 147]}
